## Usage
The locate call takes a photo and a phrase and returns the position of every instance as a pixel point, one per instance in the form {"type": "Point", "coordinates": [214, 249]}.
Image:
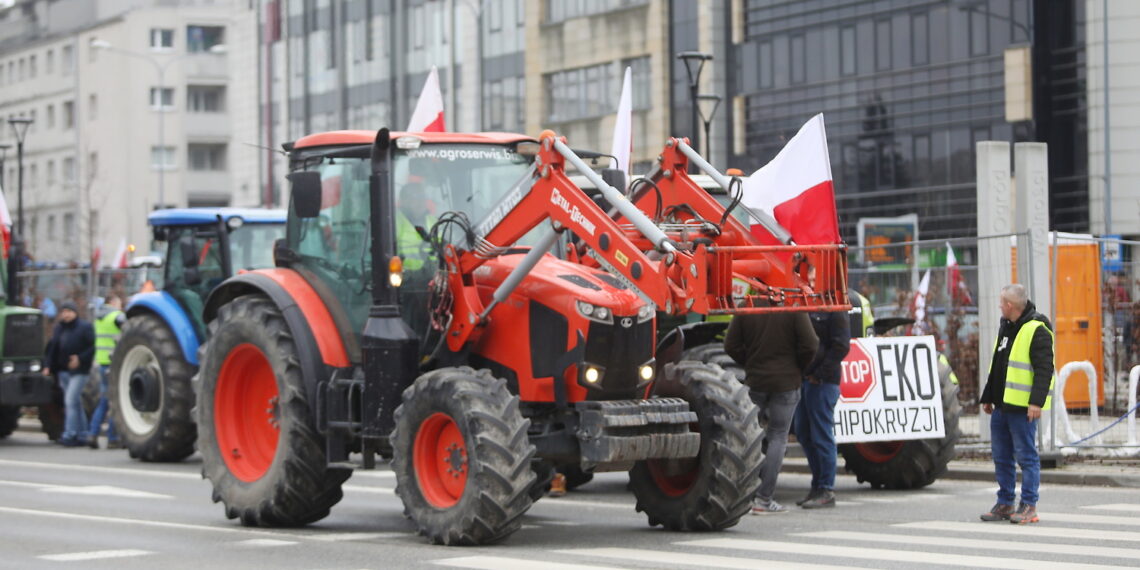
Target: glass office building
{"type": "Point", "coordinates": [907, 87]}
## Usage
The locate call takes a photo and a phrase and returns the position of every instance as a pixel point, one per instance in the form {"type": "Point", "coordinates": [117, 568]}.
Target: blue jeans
{"type": "Point", "coordinates": [778, 408]}
{"type": "Point", "coordinates": [1013, 438]}
{"type": "Point", "coordinates": [74, 418]}
{"type": "Point", "coordinates": [815, 430]}
{"type": "Point", "coordinates": [100, 412]}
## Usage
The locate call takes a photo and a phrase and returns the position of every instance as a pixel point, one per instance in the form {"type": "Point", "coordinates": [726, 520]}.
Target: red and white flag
{"type": "Point", "coordinates": [623, 126]}
{"type": "Point", "coordinates": [918, 305]}
{"type": "Point", "coordinates": [120, 260]}
{"type": "Point", "coordinates": [955, 281]}
{"type": "Point", "coordinates": [428, 116]}
{"type": "Point", "coordinates": [796, 189]}
{"type": "Point", "coordinates": [5, 224]}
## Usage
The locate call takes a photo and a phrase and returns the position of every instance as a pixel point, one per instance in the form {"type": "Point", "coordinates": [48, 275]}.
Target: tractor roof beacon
{"type": "Point", "coordinates": [416, 311]}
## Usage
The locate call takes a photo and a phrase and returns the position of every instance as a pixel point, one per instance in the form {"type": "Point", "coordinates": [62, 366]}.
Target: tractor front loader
{"type": "Point", "coordinates": [416, 310]}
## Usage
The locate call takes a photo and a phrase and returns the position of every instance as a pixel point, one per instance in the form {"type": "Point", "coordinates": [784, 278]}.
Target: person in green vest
{"type": "Point", "coordinates": [109, 319]}
{"type": "Point", "coordinates": [1018, 388]}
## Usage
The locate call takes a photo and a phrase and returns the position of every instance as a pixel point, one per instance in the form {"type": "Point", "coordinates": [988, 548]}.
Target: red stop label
{"type": "Point", "coordinates": [859, 377]}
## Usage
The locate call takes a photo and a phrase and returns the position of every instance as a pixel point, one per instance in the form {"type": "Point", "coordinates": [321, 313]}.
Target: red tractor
{"type": "Point", "coordinates": [417, 309]}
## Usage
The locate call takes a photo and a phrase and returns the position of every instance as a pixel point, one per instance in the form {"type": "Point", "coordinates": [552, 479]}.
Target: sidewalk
{"type": "Point", "coordinates": [978, 467]}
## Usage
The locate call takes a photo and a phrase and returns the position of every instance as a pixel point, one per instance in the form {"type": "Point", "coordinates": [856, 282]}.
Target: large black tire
{"type": "Point", "coordinates": [51, 416]}
{"type": "Point", "coordinates": [908, 464]}
{"type": "Point", "coordinates": [9, 420]}
{"type": "Point", "coordinates": [715, 489]}
{"type": "Point", "coordinates": [150, 393]}
{"type": "Point", "coordinates": [713, 353]}
{"type": "Point", "coordinates": [462, 457]}
{"type": "Point", "coordinates": [259, 444]}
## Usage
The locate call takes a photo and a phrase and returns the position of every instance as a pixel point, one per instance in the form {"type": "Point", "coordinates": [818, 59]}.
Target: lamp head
{"type": "Point", "coordinates": [20, 127]}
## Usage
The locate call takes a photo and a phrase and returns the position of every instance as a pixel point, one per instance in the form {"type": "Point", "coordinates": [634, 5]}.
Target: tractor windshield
{"type": "Point", "coordinates": [251, 246]}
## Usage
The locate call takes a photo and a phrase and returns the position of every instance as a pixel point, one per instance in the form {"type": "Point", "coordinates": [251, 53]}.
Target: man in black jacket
{"type": "Point", "coordinates": [815, 415]}
{"type": "Point", "coordinates": [774, 349]}
{"type": "Point", "coordinates": [69, 354]}
{"type": "Point", "coordinates": [1017, 389]}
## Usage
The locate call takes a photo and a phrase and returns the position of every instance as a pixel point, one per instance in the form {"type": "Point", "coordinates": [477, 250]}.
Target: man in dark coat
{"type": "Point", "coordinates": [774, 349]}
{"type": "Point", "coordinates": [815, 415]}
{"type": "Point", "coordinates": [1017, 389]}
{"type": "Point", "coordinates": [69, 355]}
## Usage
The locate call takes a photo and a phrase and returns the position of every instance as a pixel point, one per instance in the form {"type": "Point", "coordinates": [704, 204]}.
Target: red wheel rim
{"type": "Point", "coordinates": [879, 451]}
{"type": "Point", "coordinates": [246, 412]}
{"type": "Point", "coordinates": [440, 459]}
{"type": "Point", "coordinates": [669, 477]}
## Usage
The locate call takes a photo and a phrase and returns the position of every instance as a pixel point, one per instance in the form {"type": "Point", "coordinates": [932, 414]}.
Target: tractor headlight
{"type": "Point", "coordinates": [590, 375]}
{"type": "Point", "coordinates": [8, 367]}
{"type": "Point", "coordinates": [34, 366]}
{"type": "Point", "coordinates": [594, 313]}
{"type": "Point", "coordinates": [396, 271]}
{"type": "Point", "coordinates": [646, 372]}
{"type": "Point", "coordinates": [646, 312]}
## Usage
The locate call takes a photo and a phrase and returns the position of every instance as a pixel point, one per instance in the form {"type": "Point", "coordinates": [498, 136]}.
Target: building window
{"type": "Point", "coordinates": [847, 50]}
{"type": "Point", "coordinates": [979, 32]}
{"type": "Point", "coordinates": [882, 45]}
{"type": "Point", "coordinates": [92, 165]}
{"type": "Point", "coordinates": [32, 66]}
{"type": "Point", "coordinates": [919, 40]}
{"type": "Point", "coordinates": [161, 39]}
{"type": "Point", "coordinates": [69, 228]}
{"type": "Point", "coordinates": [49, 62]}
{"type": "Point", "coordinates": [162, 158]}
{"type": "Point", "coordinates": [207, 156]}
{"type": "Point", "coordinates": [67, 60]}
{"type": "Point", "coordinates": [162, 99]}
{"type": "Point", "coordinates": [560, 10]}
{"type": "Point", "coordinates": [92, 107]}
{"type": "Point", "coordinates": [766, 63]}
{"type": "Point", "coordinates": [68, 115]}
{"type": "Point", "coordinates": [50, 173]}
{"type": "Point", "coordinates": [68, 170]}
{"type": "Point", "coordinates": [23, 67]}
{"type": "Point", "coordinates": [205, 98]}
{"type": "Point", "coordinates": [50, 114]}
{"type": "Point", "coordinates": [594, 91]}
{"type": "Point", "coordinates": [200, 39]}
{"type": "Point", "coordinates": [51, 227]}
{"type": "Point", "coordinates": [33, 175]}
{"type": "Point", "coordinates": [798, 58]}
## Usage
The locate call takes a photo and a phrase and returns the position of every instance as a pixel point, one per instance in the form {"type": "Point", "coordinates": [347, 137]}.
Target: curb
{"type": "Point", "coordinates": [975, 471]}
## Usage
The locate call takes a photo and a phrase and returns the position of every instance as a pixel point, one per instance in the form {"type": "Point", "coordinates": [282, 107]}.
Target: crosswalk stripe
{"type": "Point", "coordinates": [878, 554]}
{"type": "Point", "coordinates": [89, 469]}
{"type": "Point", "coordinates": [1026, 531]}
{"type": "Point", "coordinates": [259, 542]}
{"type": "Point", "coordinates": [503, 563]}
{"type": "Point", "coordinates": [670, 559]}
{"type": "Point", "coordinates": [1126, 507]}
{"type": "Point", "coordinates": [93, 555]}
{"type": "Point", "coordinates": [1092, 519]}
{"type": "Point", "coordinates": [978, 544]}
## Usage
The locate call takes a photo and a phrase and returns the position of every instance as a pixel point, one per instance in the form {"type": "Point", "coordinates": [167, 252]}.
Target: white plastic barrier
{"type": "Point", "coordinates": [1059, 400]}
{"type": "Point", "coordinates": [1133, 377]}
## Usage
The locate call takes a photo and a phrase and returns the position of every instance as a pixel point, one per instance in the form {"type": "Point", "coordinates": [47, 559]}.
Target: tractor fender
{"type": "Point", "coordinates": [162, 305]}
{"type": "Point", "coordinates": [318, 340]}
{"type": "Point", "coordinates": [676, 341]}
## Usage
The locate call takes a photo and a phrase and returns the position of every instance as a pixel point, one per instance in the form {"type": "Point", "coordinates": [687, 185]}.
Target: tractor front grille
{"type": "Point", "coordinates": [23, 336]}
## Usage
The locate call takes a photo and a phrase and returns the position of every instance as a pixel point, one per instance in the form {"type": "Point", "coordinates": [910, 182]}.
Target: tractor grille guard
{"type": "Point", "coordinates": [748, 264]}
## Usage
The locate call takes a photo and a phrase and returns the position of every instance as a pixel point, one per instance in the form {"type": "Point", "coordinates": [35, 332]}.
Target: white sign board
{"type": "Point", "coordinates": [890, 391]}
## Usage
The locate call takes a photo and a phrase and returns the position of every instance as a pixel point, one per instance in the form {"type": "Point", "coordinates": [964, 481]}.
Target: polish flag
{"type": "Point", "coordinates": [918, 305]}
{"type": "Point", "coordinates": [623, 127]}
{"type": "Point", "coordinates": [120, 260]}
{"type": "Point", "coordinates": [796, 189]}
{"type": "Point", "coordinates": [428, 116]}
{"type": "Point", "coordinates": [5, 224]}
{"type": "Point", "coordinates": [955, 281]}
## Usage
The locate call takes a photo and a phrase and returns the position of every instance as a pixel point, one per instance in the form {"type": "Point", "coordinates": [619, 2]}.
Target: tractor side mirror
{"type": "Point", "coordinates": [306, 193]}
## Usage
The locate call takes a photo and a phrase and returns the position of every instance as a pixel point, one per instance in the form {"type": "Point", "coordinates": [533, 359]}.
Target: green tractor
{"type": "Point", "coordinates": [22, 382]}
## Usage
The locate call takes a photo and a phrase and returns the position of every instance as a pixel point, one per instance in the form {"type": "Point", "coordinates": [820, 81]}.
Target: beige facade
{"type": "Point", "coordinates": [115, 84]}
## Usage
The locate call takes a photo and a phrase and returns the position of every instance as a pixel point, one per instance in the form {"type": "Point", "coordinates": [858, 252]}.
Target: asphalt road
{"type": "Point", "coordinates": [100, 509]}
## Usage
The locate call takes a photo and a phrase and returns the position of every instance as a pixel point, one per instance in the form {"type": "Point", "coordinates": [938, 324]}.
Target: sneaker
{"type": "Point", "coordinates": [998, 512]}
{"type": "Point", "coordinates": [116, 444]}
{"type": "Point", "coordinates": [557, 486]}
{"type": "Point", "coordinates": [1025, 514]}
{"type": "Point", "coordinates": [811, 495]}
{"type": "Point", "coordinates": [824, 500]}
{"type": "Point", "coordinates": [762, 506]}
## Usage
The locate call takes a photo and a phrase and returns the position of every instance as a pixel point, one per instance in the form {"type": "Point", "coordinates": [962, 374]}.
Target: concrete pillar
{"type": "Point", "coordinates": [1032, 217]}
{"type": "Point", "coordinates": [995, 212]}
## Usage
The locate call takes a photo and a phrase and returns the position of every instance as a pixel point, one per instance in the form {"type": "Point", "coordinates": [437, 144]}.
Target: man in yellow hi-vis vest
{"type": "Point", "coordinates": [1018, 388]}
{"type": "Point", "coordinates": [109, 320]}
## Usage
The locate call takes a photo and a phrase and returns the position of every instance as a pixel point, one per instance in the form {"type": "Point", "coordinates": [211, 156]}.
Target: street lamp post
{"type": "Point", "coordinates": [3, 154]}
{"type": "Point", "coordinates": [160, 69]}
{"type": "Point", "coordinates": [20, 128]}
{"type": "Point", "coordinates": [708, 104]}
{"type": "Point", "coordinates": [694, 63]}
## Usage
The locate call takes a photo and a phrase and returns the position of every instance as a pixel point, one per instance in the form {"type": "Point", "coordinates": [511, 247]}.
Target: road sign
{"type": "Point", "coordinates": [890, 390]}
{"type": "Point", "coordinates": [859, 377]}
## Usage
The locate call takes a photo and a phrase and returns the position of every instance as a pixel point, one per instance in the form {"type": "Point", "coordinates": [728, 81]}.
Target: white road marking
{"type": "Point", "coordinates": [93, 555]}
{"type": "Point", "coordinates": [878, 554]}
{"type": "Point", "coordinates": [373, 490]}
{"type": "Point", "coordinates": [1126, 507]}
{"type": "Point", "coordinates": [560, 523]}
{"type": "Point", "coordinates": [671, 559]}
{"type": "Point", "coordinates": [349, 536]}
{"type": "Point", "coordinates": [565, 502]}
{"type": "Point", "coordinates": [259, 542]}
{"type": "Point", "coordinates": [961, 543]}
{"type": "Point", "coordinates": [503, 563]}
{"type": "Point", "coordinates": [140, 522]}
{"type": "Point", "coordinates": [87, 469]}
{"type": "Point", "coordinates": [1031, 530]}
{"type": "Point", "coordinates": [1090, 519]}
{"type": "Point", "coordinates": [105, 491]}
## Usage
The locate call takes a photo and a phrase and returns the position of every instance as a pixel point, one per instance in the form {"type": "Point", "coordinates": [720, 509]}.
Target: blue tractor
{"type": "Point", "coordinates": [150, 389]}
